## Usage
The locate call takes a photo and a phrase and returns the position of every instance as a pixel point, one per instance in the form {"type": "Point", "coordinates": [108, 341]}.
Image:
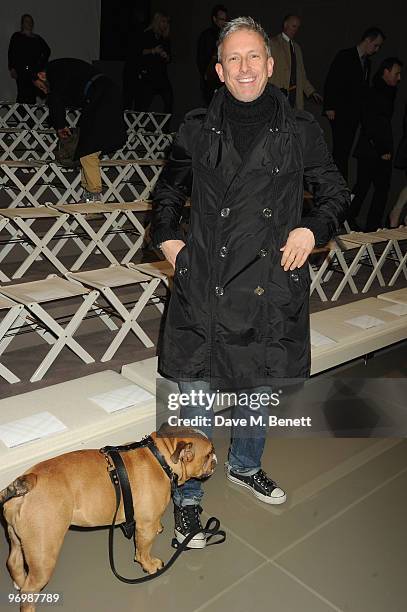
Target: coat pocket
{"type": "Point", "coordinates": [299, 280]}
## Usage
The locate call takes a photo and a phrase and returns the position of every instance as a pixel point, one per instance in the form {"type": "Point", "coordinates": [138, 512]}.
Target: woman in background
{"type": "Point", "coordinates": [26, 51]}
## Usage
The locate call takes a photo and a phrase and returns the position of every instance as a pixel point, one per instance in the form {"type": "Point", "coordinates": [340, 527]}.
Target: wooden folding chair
{"type": "Point", "coordinates": [156, 269]}
{"type": "Point", "coordinates": [53, 289]}
{"type": "Point", "coordinates": [20, 228]}
{"type": "Point", "coordinates": [114, 277]}
{"type": "Point", "coordinates": [10, 319]}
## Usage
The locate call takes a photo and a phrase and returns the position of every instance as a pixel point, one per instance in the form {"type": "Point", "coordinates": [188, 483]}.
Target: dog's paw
{"type": "Point", "coordinates": [15, 585]}
{"type": "Point", "coordinates": [152, 565]}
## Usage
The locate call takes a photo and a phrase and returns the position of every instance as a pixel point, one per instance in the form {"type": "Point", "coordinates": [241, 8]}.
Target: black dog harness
{"type": "Point", "coordinates": [120, 480]}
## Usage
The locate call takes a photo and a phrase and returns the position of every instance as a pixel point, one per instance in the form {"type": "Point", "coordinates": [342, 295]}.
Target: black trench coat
{"type": "Point", "coordinates": [73, 84]}
{"type": "Point", "coordinates": [235, 317]}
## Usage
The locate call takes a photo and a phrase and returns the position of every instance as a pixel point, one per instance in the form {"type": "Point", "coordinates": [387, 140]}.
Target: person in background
{"type": "Point", "coordinates": [398, 214]}
{"type": "Point", "coordinates": [206, 55]}
{"type": "Point", "coordinates": [132, 64]}
{"type": "Point", "coordinates": [72, 82]}
{"type": "Point", "coordinates": [374, 149]}
{"type": "Point", "coordinates": [26, 50]}
{"type": "Point", "coordinates": [346, 83]}
{"type": "Point", "coordinates": [155, 57]}
{"type": "Point", "coordinates": [289, 72]}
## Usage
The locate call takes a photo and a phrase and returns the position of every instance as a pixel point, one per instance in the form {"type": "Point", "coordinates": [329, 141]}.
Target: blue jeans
{"type": "Point", "coordinates": [246, 447]}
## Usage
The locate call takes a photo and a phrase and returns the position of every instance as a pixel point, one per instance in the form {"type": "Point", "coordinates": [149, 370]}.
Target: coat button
{"type": "Point", "coordinates": [225, 212]}
{"type": "Point", "coordinates": [295, 276]}
{"type": "Point", "coordinates": [182, 271]}
{"type": "Point", "coordinates": [219, 291]}
{"type": "Point", "coordinates": [267, 212]}
{"type": "Point", "coordinates": [263, 252]}
{"type": "Point", "coordinates": [223, 251]}
{"type": "Point", "coordinates": [259, 290]}
{"type": "Point", "coordinates": [275, 170]}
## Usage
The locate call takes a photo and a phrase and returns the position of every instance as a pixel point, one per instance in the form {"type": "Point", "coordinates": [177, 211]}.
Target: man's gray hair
{"type": "Point", "coordinates": [243, 23]}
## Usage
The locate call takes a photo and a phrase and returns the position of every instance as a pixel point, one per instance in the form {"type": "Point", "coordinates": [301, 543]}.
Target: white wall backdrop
{"type": "Point", "coordinates": [70, 28]}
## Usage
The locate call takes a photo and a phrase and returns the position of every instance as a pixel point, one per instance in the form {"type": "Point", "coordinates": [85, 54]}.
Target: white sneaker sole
{"type": "Point", "coordinates": [194, 543]}
{"type": "Point", "coordinates": [264, 498]}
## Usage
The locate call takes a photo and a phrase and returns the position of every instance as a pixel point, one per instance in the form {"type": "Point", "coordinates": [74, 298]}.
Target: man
{"type": "Point", "coordinates": [26, 50]}
{"type": "Point", "coordinates": [347, 82]}
{"type": "Point", "coordinates": [238, 315]}
{"type": "Point", "coordinates": [374, 150]}
{"type": "Point", "coordinates": [207, 50]}
{"type": "Point", "coordinates": [74, 83]}
{"type": "Point", "coordinates": [289, 72]}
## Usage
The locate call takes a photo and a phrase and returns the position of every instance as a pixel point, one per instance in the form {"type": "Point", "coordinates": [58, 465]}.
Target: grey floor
{"type": "Point", "coordinates": [338, 543]}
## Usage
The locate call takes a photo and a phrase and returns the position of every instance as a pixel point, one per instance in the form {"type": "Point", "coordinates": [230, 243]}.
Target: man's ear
{"type": "Point", "coordinates": [219, 71]}
{"type": "Point", "coordinates": [183, 452]}
{"type": "Point", "coordinates": [270, 66]}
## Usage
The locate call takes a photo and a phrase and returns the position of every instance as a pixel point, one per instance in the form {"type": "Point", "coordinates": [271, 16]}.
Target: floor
{"type": "Point", "coordinates": [338, 543]}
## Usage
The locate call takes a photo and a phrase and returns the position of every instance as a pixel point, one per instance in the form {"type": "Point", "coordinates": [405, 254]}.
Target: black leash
{"type": "Point", "coordinates": [118, 475]}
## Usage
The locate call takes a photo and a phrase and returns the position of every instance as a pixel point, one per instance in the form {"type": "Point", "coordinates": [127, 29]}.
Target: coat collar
{"type": "Point", "coordinates": [216, 122]}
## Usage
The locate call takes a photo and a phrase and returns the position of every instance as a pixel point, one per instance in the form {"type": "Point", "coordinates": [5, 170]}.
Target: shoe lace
{"type": "Point", "coordinates": [264, 481]}
{"type": "Point", "coordinates": [190, 517]}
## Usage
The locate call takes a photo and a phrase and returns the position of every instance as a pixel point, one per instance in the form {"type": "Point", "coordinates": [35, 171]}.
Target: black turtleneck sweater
{"type": "Point", "coordinates": [246, 119]}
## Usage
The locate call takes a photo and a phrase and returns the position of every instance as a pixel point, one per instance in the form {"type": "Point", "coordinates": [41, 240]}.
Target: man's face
{"type": "Point", "coordinates": [220, 19]}
{"type": "Point", "coordinates": [392, 76]}
{"type": "Point", "coordinates": [41, 82]}
{"type": "Point", "coordinates": [291, 26]}
{"type": "Point", "coordinates": [373, 46]}
{"type": "Point", "coordinates": [27, 24]}
{"type": "Point", "coordinates": [245, 66]}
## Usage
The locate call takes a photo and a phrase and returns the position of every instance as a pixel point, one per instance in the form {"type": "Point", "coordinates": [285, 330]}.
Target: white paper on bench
{"type": "Point", "coordinates": [365, 321]}
{"type": "Point", "coordinates": [30, 428]}
{"type": "Point", "coordinates": [318, 339]}
{"type": "Point", "coordinates": [124, 397]}
{"type": "Point", "coordinates": [397, 309]}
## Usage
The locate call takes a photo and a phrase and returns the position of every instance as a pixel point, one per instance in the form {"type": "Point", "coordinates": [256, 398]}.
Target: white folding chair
{"type": "Point", "coordinates": [20, 227]}
{"type": "Point", "coordinates": [398, 235]}
{"type": "Point", "coordinates": [53, 289]}
{"type": "Point", "coordinates": [162, 270]}
{"type": "Point", "coordinates": [10, 319]}
{"type": "Point", "coordinates": [114, 277]}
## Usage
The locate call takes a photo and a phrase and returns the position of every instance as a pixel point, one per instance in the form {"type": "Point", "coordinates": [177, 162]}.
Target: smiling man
{"type": "Point", "coordinates": [238, 316]}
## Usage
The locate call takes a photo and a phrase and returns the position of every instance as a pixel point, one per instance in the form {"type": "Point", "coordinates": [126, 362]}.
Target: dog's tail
{"type": "Point", "coordinates": [18, 488]}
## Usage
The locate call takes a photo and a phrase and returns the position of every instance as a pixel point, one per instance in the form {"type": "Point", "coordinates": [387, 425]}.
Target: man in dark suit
{"type": "Point", "coordinates": [374, 150]}
{"type": "Point", "coordinates": [346, 83]}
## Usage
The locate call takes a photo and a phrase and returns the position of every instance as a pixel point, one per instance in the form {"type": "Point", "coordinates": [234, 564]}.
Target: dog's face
{"type": "Point", "coordinates": [193, 454]}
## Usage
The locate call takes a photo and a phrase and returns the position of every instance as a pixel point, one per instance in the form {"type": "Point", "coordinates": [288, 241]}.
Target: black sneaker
{"type": "Point", "coordinates": [260, 485]}
{"type": "Point", "coordinates": [187, 519]}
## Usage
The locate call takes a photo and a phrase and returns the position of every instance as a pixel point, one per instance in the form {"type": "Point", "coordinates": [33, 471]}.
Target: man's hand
{"type": "Point", "coordinates": [13, 73]}
{"type": "Point", "coordinates": [386, 156]}
{"type": "Point", "coordinates": [330, 114]}
{"type": "Point", "coordinates": [317, 97]}
{"type": "Point", "coordinates": [171, 248]}
{"type": "Point", "coordinates": [299, 245]}
{"type": "Point", "coordinates": [64, 133]}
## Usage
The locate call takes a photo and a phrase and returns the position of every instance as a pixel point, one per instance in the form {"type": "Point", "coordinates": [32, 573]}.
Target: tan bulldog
{"type": "Point", "coordinates": [75, 489]}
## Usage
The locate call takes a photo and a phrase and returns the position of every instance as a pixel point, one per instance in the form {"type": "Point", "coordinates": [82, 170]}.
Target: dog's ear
{"type": "Point", "coordinates": [183, 452]}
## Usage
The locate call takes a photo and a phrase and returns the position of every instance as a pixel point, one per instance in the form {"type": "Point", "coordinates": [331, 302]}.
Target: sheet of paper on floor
{"type": "Point", "coordinates": [397, 309]}
{"type": "Point", "coordinates": [365, 321]}
{"type": "Point", "coordinates": [318, 339]}
{"type": "Point", "coordinates": [30, 428]}
{"type": "Point", "coordinates": [124, 397]}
